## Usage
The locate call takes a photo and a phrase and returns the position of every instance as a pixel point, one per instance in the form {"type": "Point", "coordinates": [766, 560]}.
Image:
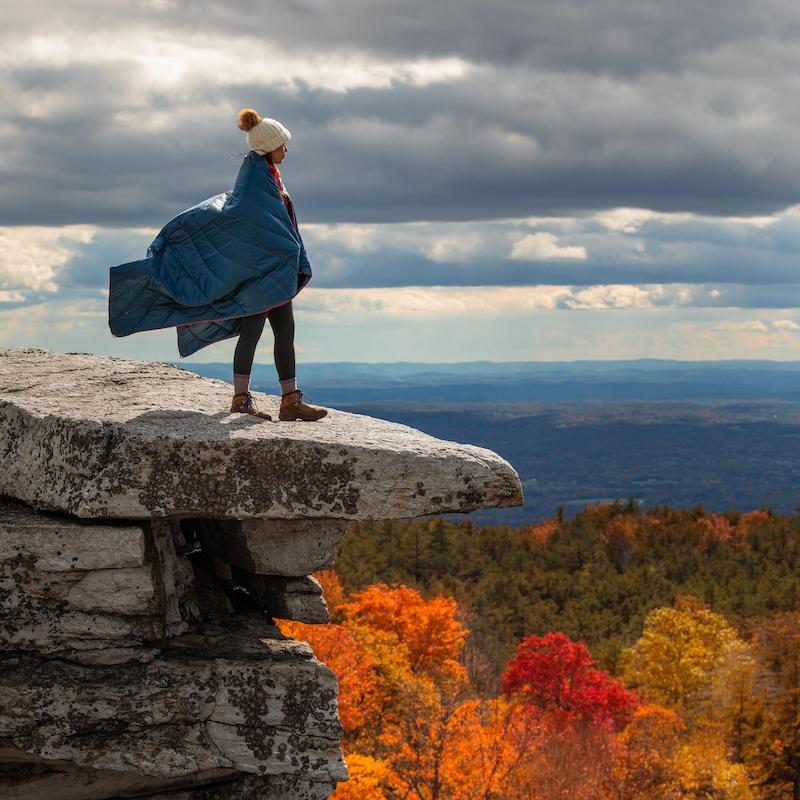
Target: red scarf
{"type": "Point", "coordinates": [277, 175]}
{"type": "Point", "coordinates": [287, 201]}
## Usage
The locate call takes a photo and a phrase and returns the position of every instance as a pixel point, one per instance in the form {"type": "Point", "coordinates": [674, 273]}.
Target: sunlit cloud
{"type": "Point", "coordinates": [30, 256]}
{"type": "Point", "coordinates": [454, 248]}
{"type": "Point", "coordinates": [544, 247]}
{"type": "Point", "coordinates": [494, 301]}
{"type": "Point", "coordinates": [630, 220]}
{"type": "Point", "coordinates": [45, 320]}
{"type": "Point", "coordinates": [162, 60]}
{"type": "Point", "coordinates": [609, 297]}
{"type": "Point", "coordinates": [559, 179]}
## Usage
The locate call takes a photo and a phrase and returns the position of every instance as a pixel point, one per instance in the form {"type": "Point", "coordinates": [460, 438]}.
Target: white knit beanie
{"type": "Point", "coordinates": [263, 134]}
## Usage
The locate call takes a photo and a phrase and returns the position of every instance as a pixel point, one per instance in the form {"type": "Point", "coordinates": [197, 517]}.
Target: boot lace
{"type": "Point", "coordinates": [301, 398]}
{"type": "Point", "coordinates": [299, 395]}
{"type": "Point", "coordinates": [304, 398]}
{"type": "Point", "coordinates": [248, 404]}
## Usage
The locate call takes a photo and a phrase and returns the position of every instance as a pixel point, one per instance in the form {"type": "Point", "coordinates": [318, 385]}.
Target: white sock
{"type": "Point", "coordinates": [241, 383]}
{"type": "Point", "coordinates": [289, 385]}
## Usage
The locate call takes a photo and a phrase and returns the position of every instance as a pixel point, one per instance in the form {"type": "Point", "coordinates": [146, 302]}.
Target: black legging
{"type": "Point", "coordinates": [281, 318]}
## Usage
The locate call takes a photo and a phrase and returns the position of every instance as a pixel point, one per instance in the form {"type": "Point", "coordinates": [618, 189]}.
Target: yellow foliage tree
{"type": "Point", "coordinates": [673, 660]}
{"type": "Point", "coordinates": [774, 747]}
{"type": "Point", "coordinates": [704, 770]}
{"type": "Point", "coordinates": [732, 706]}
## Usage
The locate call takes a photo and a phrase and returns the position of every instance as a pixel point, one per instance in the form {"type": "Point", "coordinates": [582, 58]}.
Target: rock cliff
{"type": "Point", "coordinates": [149, 540]}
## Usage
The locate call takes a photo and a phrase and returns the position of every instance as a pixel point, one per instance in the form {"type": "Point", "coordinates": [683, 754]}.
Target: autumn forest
{"type": "Point", "coordinates": [618, 654]}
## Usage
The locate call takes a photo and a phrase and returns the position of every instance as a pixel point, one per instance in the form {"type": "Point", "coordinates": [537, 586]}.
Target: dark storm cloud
{"type": "Point", "coordinates": [717, 295]}
{"type": "Point", "coordinates": [622, 37]}
{"type": "Point", "coordinates": [392, 269]}
{"type": "Point", "coordinates": [89, 266]}
{"type": "Point", "coordinates": [576, 107]}
{"type": "Point", "coordinates": [710, 252]}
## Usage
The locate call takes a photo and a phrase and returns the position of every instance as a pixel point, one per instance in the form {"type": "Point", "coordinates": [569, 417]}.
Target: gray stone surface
{"type": "Point", "coordinates": [125, 669]}
{"type": "Point", "coordinates": [161, 535]}
{"type": "Point", "coordinates": [91, 588]}
{"type": "Point", "coordinates": [100, 593]}
{"type": "Point", "coordinates": [181, 604]}
{"type": "Point", "coordinates": [286, 598]}
{"type": "Point", "coordinates": [99, 437]}
{"type": "Point", "coordinates": [94, 592]}
{"type": "Point", "coordinates": [234, 696]}
{"type": "Point", "coordinates": [61, 781]}
{"type": "Point", "coordinates": [292, 547]}
{"type": "Point", "coordinates": [24, 776]}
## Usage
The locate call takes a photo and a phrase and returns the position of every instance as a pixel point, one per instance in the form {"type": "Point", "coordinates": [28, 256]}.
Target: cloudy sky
{"type": "Point", "coordinates": [508, 181]}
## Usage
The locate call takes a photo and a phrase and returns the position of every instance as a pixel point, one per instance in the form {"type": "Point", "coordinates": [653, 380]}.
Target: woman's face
{"type": "Point", "coordinates": [277, 155]}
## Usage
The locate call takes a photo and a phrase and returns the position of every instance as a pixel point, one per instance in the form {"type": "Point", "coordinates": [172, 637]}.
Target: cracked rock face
{"type": "Point", "coordinates": [260, 710]}
{"type": "Point", "coordinates": [69, 587]}
{"type": "Point", "coordinates": [149, 539]}
{"type": "Point", "coordinates": [129, 660]}
{"type": "Point", "coordinates": [156, 440]}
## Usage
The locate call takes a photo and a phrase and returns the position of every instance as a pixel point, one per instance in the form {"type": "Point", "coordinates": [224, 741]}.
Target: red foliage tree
{"type": "Point", "coordinates": [557, 676]}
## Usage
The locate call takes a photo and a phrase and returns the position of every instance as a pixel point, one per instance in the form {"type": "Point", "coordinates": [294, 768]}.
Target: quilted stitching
{"type": "Point", "coordinates": [199, 272]}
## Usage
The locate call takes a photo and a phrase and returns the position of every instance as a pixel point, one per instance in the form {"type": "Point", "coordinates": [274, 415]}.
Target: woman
{"type": "Point", "coordinates": [222, 267]}
{"type": "Point", "coordinates": [268, 138]}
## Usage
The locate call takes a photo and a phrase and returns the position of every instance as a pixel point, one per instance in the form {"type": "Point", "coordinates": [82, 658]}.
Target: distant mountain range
{"type": "Point", "coordinates": [344, 383]}
{"type": "Point", "coordinates": [721, 433]}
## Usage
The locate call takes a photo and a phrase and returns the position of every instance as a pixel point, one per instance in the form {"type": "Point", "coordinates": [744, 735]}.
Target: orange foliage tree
{"type": "Point", "coordinates": [415, 729]}
{"type": "Point", "coordinates": [426, 735]}
{"type": "Point", "coordinates": [369, 779]}
{"type": "Point", "coordinates": [428, 628]}
{"type": "Point", "coordinates": [542, 532]}
{"type": "Point", "coordinates": [332, 591]}
{"type": "Point", "coordinates": [774, 748]}
{"type": "Point", "coordinates": [338, 648]}
{"type": "Point", "coordinates": [644, 764]}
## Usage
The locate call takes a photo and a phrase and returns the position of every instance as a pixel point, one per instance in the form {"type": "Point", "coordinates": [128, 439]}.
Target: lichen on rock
{"type": "Point", "coordinates": [147, 541]}
{"type": "Point", "coordinates": [138, 452]}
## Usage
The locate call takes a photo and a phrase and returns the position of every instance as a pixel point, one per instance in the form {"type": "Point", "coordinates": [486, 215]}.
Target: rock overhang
{"type": "Point", "coordinates": [100, 436]}
{"type": "Point", "coordinates": [148, 540]}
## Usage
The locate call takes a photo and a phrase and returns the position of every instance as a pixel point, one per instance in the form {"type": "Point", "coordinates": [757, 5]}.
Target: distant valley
{"type": "Point", "coordinates": [722, 433]}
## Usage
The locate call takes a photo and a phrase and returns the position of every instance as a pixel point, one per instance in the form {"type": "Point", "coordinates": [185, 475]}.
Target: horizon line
{"type": "Point", "coordinates": [532, 361]}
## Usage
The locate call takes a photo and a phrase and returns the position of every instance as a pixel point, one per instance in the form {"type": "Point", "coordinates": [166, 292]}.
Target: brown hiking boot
{"type": "Point", "coordinates": [245, 403]}
{"type": "Point", "coordinates": [292, 407]}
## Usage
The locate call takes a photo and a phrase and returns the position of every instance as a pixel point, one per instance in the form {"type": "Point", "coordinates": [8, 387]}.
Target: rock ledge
{"type": "Point", "coordinates": [149, 541]}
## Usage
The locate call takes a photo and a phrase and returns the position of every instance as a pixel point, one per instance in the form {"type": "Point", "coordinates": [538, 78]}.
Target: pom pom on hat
{"type": "Point", "coordinates": [247, 118]}
{"type": "Point", "coordinates": [263, 134]}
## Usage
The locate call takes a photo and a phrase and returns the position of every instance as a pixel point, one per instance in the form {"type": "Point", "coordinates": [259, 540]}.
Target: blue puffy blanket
{"type": "Point", "coordinates": [235, 254]}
